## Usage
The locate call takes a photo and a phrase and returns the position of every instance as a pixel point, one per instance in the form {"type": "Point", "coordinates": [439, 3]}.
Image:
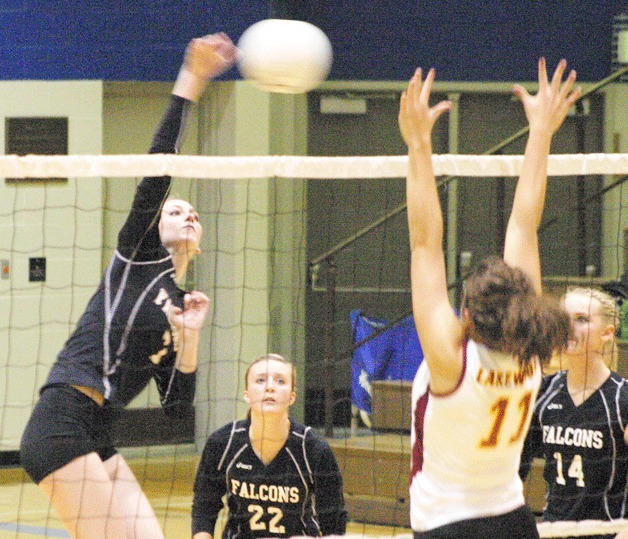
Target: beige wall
{"type": "Point", "coordinates": [58, 221]}
{"type": "Point", "coordinates": [131, 113]}
{"type": "Point", "coordinates": [253, 264]}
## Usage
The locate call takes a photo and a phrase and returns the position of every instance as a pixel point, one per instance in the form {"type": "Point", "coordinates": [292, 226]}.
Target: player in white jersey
{"type": "Point", "coordinates": [478, 471]}
{"type": "Point", "coordinates": [473, 396]}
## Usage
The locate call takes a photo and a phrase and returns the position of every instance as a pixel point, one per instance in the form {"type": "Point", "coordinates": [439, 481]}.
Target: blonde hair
{"type": "Point", "coordinates": [275, 357]}
{"type": "Point", "coordinates": [608, 304]}
{"type": "Point", "coordinates": [608, 311]}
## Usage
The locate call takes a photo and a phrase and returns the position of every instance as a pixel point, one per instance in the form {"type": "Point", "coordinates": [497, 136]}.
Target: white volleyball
{"type": "Point", "coordinates": [284, 55]}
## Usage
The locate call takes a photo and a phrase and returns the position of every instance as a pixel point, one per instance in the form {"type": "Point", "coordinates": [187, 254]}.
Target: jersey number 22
{"type": "Point", "coordinates": [256, 518]}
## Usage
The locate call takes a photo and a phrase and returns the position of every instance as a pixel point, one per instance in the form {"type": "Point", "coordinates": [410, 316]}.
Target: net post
{"type": "Point", "coordinates": [330, 347]}
{"type": "Point", "coordinates": [580, 118]}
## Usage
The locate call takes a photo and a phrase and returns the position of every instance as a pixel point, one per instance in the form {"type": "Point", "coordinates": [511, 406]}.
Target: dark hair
{"type": "Point", "coordinates": [506, 314]}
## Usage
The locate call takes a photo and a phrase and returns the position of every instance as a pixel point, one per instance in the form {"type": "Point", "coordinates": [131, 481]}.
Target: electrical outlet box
{"type": "Point", "coordinates": [37, 269]}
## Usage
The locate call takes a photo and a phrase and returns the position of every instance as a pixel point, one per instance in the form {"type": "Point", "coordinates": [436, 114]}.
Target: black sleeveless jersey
{"type": "Point", "coordinates": [298, 493]}
{"type": "Point", "coordinates": [123, 339]}
{"type": "Point", "coordinates": [586, 458]}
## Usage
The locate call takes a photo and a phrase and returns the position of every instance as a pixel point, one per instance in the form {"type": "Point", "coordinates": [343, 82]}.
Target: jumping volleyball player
{"type": "Point", "coordinates": [138, 325]}
{"type": "Point", "coordinates": [580, 421]}
{"type": "Point", "coordinates": [280, 478]}
{"type": "Point", "coordinates": [474, 393]}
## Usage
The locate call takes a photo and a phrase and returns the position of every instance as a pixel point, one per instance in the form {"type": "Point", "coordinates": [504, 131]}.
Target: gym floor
{"type": "Point", "coordinates": [166, 476]}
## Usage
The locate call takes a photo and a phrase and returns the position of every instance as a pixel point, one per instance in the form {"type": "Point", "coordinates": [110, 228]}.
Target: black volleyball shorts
{"type": "Point", "coordinates": [65, 425]}
{"type": "Point", "coordinates": [517, 524]}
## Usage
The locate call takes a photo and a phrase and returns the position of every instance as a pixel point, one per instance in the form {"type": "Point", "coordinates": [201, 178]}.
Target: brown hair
{"type": "Point", "coordinates": [506, 314]}
{"type": "Point", "coordinates": [275, 357]}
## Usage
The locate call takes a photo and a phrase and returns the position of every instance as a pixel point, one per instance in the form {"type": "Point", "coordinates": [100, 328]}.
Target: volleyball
{"type": "Point", "coordinates": [284, 56]}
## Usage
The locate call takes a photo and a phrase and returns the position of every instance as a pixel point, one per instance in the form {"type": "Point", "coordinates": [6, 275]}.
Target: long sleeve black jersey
{"type": "Point", "coordinates": [123, 339]}
{"type": "Point", "coordinates": [586, 458]}
{"type": "Point", "coordinates": [298, 493]}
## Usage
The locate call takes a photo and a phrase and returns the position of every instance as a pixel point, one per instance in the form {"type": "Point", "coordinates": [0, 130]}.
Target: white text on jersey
{"type": "Point", "coordinates": [265, 493]}
{"type": "Point", "coordinates": [571, 436]}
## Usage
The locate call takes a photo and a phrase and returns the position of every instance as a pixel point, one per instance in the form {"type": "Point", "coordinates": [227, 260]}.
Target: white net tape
{"type": "Point", "coordinates": [211, 167]}
{"type": "Point", "coordinates": [546, 529]}
{"type": "Point", "coordinates": [584, 527]}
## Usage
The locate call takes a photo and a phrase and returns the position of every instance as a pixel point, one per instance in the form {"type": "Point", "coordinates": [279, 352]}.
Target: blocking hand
{"type": "Point", "coordinates": [416, 117]}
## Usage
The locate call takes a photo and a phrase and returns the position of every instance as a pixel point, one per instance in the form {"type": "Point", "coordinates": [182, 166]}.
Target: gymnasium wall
{"type": "Point", "coordinates": [74, 225]}
{"type": "Point", "coordinates": [141, 40]}
{"type": "Point", "coordinates": [60, 222]}
{"type": "Point", "coordinates": [474, 40]}
{"type": "Point", "coordinates": [107, 40]}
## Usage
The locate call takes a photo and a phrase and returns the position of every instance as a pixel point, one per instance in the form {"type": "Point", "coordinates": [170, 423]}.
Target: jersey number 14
{"type": "Point", "coordinates": [575, 470]}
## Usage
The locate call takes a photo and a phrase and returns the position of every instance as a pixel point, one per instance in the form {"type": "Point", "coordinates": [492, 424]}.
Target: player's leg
{"type": "Point", "coordinates": [141, 522]}
{"type": "Point", "coordinates": [60, 452]}
{"type": "Point", "coordinates": [83, 496]}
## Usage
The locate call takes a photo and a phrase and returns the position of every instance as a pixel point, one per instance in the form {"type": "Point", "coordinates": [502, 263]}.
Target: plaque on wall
{"type": "Point", "coordinates": [38, 136]}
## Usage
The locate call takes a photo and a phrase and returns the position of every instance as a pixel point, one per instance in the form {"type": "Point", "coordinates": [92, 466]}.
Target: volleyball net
{"type": "Point", "coordinates": [289, 250]}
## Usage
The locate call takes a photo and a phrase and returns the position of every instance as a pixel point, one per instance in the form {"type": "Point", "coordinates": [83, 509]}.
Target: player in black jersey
{"type": "Point", "coordinates": [138, 325]}
{"type": "Point", "coordinates": [580, 418]}
{"type": "Point", "coordinates": [279, 477]}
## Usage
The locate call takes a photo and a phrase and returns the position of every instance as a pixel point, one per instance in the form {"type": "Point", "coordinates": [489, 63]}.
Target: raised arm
{"type": "Point", "coordinates": [438, 327]}
{"type": "Point", "coordinates": [205, 58]}
{"type": "Point", "coordinates": [546, 112]}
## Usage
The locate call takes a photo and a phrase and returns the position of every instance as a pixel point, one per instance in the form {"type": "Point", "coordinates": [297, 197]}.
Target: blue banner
{"type": "Point", "coordinates": [395, 354]}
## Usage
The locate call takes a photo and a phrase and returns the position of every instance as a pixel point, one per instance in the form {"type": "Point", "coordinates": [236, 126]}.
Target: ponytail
{"type": "Point", "coordinates": [506, 314]}
{"type": "Point", "coordinates": [535, 326]}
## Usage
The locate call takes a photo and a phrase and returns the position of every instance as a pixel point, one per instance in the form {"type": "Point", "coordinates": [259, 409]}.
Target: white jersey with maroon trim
{"type": "Point", "coordinates": [466, 445]}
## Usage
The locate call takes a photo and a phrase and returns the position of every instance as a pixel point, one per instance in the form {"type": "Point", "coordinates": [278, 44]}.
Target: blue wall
{"type": "Point", "coordinates": [111, 39]}
{"type": "Point", "coordinates": [470, 40]}
{"type": "Point", "coordinates": [466, 40]}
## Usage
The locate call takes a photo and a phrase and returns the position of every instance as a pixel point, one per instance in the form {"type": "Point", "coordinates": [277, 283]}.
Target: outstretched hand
{"type": "Point", "coordinates": [209, 56]}
{"type": "Point", "coordinates": [416, 117]}
{"type": "Point", "coordinates": [549, 107]}
{"type": "Point", "coordinates": [192, 316]}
